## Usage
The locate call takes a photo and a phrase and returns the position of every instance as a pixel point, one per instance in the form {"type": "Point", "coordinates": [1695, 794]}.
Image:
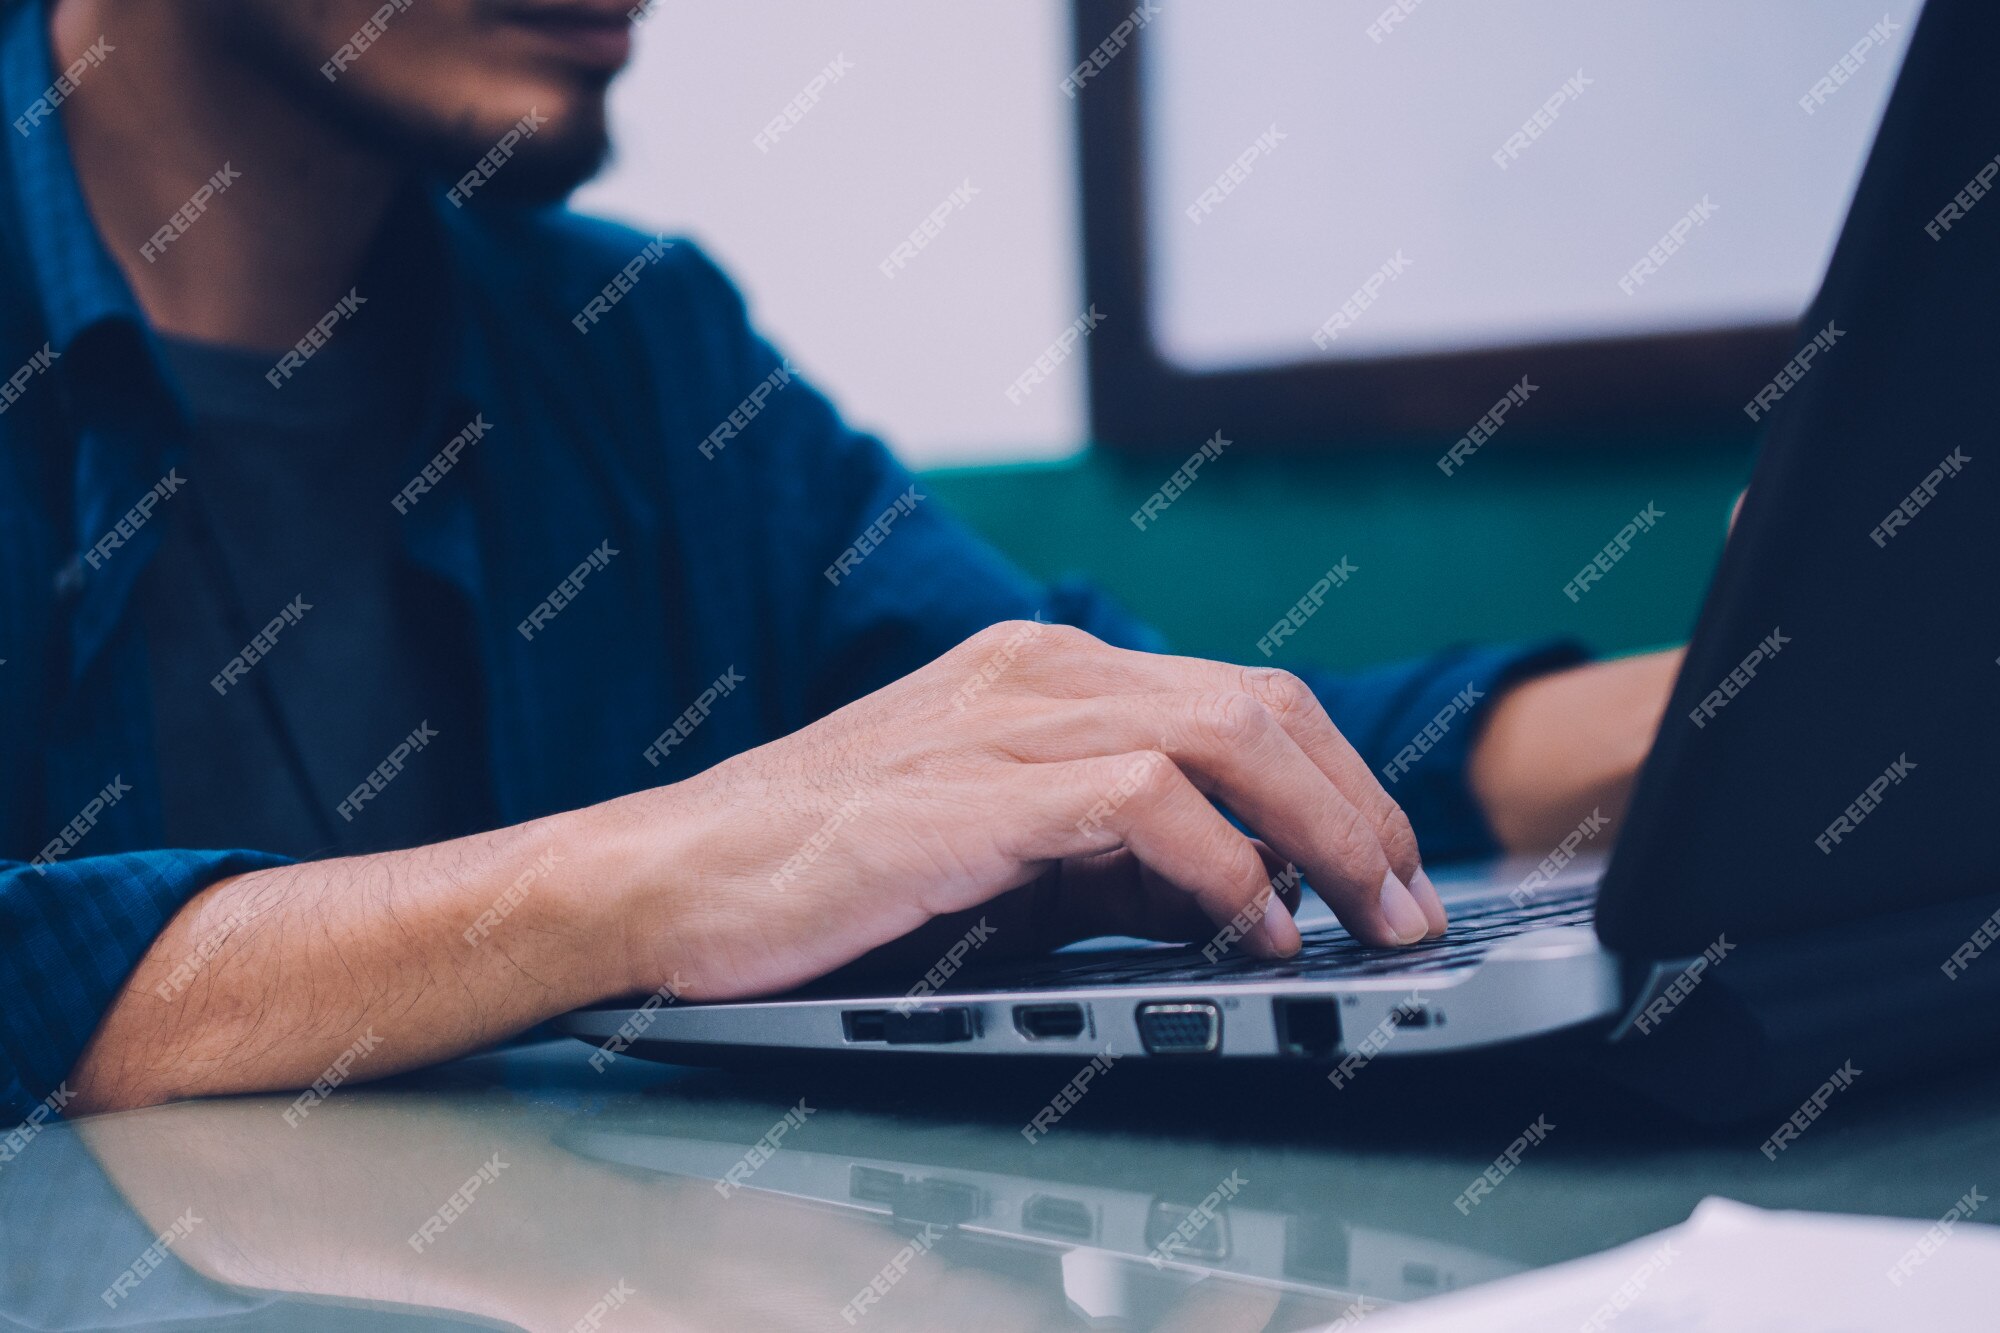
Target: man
{"type": "Point", "coordinates": [366, 514]}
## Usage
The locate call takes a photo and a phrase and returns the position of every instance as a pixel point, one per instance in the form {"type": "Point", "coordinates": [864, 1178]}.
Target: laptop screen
{"type": "Point", "coordinates": [1830, 750]}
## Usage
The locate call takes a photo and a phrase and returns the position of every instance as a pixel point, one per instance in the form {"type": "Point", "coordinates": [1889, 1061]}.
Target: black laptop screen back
{"type": "Point", "coordinates": [1832, 749]}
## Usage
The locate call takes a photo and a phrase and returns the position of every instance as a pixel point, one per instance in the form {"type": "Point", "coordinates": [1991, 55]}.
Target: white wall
{"type": "Point", "coordinates": [936, 95]}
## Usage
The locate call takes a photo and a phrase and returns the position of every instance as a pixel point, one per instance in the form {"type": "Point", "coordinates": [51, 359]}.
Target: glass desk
{"type": "Point", "coordinates": [528, 1189]}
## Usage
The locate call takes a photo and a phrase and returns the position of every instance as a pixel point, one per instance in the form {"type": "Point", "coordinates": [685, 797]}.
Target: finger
{"type": "Point", "coordinates": [1067, 663]}
{"type": "Point", "coordinates": [1118, 894]}
{"type": "Point", "coordinates": [1282, 881]}
{"type": "Point", "coordinates": [1286, 880]}
{"type": "Point", "coordinates": [1141, 801]}
{"type": "Point", "coordinates": [1304, 718]}
{"type": "Point", "coordinates": [1234, 747]}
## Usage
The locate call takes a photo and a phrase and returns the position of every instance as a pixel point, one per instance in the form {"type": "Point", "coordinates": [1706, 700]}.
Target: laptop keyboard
{"type": "Point", "coordinates": [1327, 951]}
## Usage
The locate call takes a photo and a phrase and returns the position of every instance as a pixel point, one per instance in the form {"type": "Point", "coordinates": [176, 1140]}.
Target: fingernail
{"type": "Point", "coordinates": [1406, 919]}
{"type": "Point", "coordinates": [1427, 898]}
{"type": "Point", "coordinates": [1277, 929]}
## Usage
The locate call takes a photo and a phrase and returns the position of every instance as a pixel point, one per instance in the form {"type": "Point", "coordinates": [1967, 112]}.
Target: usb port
{"type": "Point", "coordinates": [866, 1024]}
{"type": "Point", "coordinates": [1410, 1016]}
{"type": "Point", "coordinates": [919, 1027]}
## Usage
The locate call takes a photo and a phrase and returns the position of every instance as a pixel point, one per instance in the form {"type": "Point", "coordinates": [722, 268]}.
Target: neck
{"type": "Point", "coordinates": [294, 203]}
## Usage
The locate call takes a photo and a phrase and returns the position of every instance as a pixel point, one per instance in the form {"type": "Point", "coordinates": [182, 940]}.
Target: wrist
{"type": "Point", "coordinates": [1559, 748]}
{"type": "Point", "coordinates": [629, 883]}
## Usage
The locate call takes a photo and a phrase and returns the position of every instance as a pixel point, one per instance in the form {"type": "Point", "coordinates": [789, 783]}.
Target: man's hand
{"type": "Point", "coordinates": [1028, 751]}
{"type": "Point", "coordinates": [1029, 755]}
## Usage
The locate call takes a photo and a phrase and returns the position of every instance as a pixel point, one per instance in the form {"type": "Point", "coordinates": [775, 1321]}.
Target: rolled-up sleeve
{"type": "Point", "coordinates": [70, 934]}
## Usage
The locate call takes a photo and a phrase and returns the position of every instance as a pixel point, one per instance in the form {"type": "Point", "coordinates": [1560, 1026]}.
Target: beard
{"type": "Point", "coordinates": [544, 165]}
{"type": "Point", "coordinates": [566, 147]}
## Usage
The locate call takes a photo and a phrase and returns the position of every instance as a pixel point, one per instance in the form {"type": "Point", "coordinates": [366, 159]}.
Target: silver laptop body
{"type": "Point", "coordinates": [1521, 960]}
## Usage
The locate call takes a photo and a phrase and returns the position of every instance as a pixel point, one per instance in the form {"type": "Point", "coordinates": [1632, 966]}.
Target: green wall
{"type": "Point", "coordinates": [1481, 555]}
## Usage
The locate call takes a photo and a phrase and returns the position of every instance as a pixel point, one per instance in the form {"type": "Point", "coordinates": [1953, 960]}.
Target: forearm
{"type": "Point", "coordinates": [1560, 747]}
{"type": "Point", "coordinates": [263, 980]}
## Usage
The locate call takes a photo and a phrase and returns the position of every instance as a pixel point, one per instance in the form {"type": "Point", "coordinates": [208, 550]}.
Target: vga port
{"type": "Point", "coordinates": [1189, 1027]}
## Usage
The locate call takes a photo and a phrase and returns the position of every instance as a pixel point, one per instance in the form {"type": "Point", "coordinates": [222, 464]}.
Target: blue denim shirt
{"type": "Point", "coordinates": [630, 408]}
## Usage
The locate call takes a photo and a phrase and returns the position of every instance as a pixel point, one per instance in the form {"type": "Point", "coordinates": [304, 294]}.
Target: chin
{"type": "Point", "coordinates": [535, 149]}
{"type": "Point", "coordinates": [526, 141]}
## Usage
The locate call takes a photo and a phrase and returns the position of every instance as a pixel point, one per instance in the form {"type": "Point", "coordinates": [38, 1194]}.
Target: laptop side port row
{"type": "Point", "coordinates": [1192, 1027]}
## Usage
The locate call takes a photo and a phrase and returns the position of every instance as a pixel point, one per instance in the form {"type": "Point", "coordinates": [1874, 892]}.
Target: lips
{"type": "Point", "coordinates": [595, 34]}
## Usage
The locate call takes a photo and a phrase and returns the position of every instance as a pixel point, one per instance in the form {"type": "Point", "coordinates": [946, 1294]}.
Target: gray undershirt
{"type": "Point", "coordinates": [294, 485]}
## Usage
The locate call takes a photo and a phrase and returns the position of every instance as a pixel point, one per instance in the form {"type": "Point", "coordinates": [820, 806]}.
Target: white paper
{"type": "Point", "coordinates": [1731, 1268]}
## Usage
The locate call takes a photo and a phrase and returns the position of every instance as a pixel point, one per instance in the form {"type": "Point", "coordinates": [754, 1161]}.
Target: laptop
{"type": "Point", "coordinates": [1807, 874]}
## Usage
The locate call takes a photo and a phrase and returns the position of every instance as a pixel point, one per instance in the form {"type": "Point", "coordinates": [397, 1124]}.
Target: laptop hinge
{"type": "Point", "coordinates": [1666, 986]}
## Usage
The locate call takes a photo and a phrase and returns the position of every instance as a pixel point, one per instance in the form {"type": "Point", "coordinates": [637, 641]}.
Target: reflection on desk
{"type": "Point", "coordinates": [522, 1189]}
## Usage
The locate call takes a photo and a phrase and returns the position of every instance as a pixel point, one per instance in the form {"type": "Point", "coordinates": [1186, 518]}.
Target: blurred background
{"type": "Point", "coordinates": [1218, 183]}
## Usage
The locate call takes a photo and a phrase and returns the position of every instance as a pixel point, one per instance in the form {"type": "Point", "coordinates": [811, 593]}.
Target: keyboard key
{"type": "Point", "coordinates": [1326, 951]}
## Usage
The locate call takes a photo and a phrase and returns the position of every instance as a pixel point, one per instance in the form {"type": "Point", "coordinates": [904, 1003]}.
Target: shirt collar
{"type": "Point", "coordinates": [77, 284]}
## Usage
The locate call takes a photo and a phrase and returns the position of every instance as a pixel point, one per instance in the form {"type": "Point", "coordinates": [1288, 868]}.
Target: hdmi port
{"type": "Point", "coordinates": [1049, 1022]}
{"type": "Point", "coordinates": [1049, 1215]}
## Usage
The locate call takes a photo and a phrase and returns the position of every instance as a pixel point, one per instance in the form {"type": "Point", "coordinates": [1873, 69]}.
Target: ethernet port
{"type": "Point", "coordinates": [1308, 1028]}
